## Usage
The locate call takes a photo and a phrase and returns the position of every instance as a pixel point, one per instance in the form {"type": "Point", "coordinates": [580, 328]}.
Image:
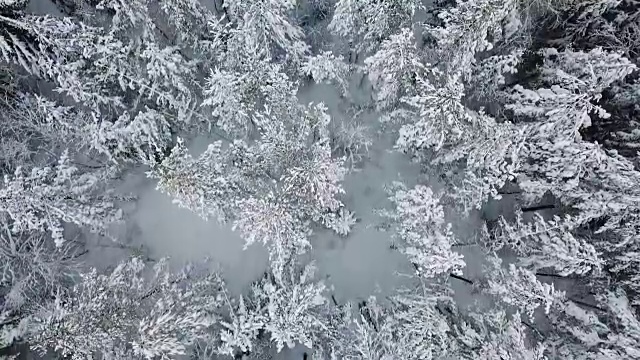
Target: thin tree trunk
{"type": "Point", "coordinates": [464, 244]}
{"type": "Point", "coordinates": [550, 275]}
{"type": "Point", "coordinates": [333, 298]}
{"type": "Point", "coordinates": [75, 256]}
{"type": "Point", "coordinates": [580, 302]}
{"type": "Point", "coordinates": [470, 282]}
{"type": "Point", "coordinates": [538, 207]}
{"type": "Point", "coordinates": [461, 278]}
{"type": "Point", "coordinates": [533, 328]}
{"type": "Point", "coordinates": [509, 192]}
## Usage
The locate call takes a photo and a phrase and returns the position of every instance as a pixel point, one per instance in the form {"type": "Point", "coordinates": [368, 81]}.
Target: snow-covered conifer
{"type": "Point", "coordinates": [269, 26]}
{"type": "Point", "coordinates": [372, 332]}
{"type": "Point", "coordinates": [46, 198]}
{"type": "Point", "coordinates": [491, 158]}
{"type": "Point", "coordinates": [328, 68]}
{"type": "Point", "coordinates": [197, 184]}
{"type": "Point", "coordinates": [585, 332]}
{"type": "Point", "coordinates": [519, 287]}
{"type": "Point", "coordinates": [292, 300]}
{"type": "Point", "coordinates": [466, 30]}
{"type": "Point", "coordinates": [34, 42]}
{"type": "Point", "coordinates": [421, 231]}
{"type": "Point", "coordinates": [549, 244]}
{"type": "Point", "coordinates": [194, 26]}
{"type": "Point", "coordinates": [235, 97]}
{"type": "Point", "coordinates": [421, 331]}
{"type": "Point", "coordinates": [128, 313]}
{"type": "Point", "coordinates": [490, 75]}
{"type": "Point", "coordinates": [394, 68]}
{"type": "Point", "coordinates": [352, 138]}
{"type": "Point", "coordinates": [31, 268]}
{"type": "Point", "coordinates": [494, 334]}
{"type": "Point", "coordinates": [440, 119]}
{"type": "Point", "coordinates": [574, 82]}
{"type": "Point", "coordinates": [365, 24]}
{"type": "Point", "coordinates": [240, 331]}
{"type": "Point", "coordinates": [270, 189]}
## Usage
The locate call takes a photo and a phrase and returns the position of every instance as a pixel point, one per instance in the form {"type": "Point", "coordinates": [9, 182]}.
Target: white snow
{"type": "Point", "coordinates": [363, 263]}
{"type": "Point", "coordinates": [43, 7]}
{"type": "Point", "coordinates": [168, 230]}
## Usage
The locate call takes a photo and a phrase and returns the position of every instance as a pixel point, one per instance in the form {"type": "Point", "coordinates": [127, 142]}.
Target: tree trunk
{"type": "Point", "coordinates": [335, 302]}
{"type": "Point", "coordinates": [461, 278]}
{"type": "Point", "coordinates": [550, 275]}
{"type": "Point", "coordinates": [538, 207]}
{"type": "Point", "coordinates": [580, 302]}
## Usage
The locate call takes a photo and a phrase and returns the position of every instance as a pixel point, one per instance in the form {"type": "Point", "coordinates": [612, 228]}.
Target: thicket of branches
{"type": "Point", "coordinates": [530, 103]}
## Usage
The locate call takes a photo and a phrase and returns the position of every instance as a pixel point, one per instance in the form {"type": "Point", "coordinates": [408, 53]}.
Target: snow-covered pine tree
{"type": "Point", "coordinates": [240, 331]}
{"type": "Point", "coordinates": [494, 334]}
{"type": "Point", "coordinates": [292, 301]}
{"type": "Point", "coordinates": [409, 325]}
{"type": "Point", "coordinates": [594, 183]}
{"type": "Point", "coordinates": [45, 198]}
{"type": "Point", "coordinates": [520, 288]}
{"type": "Point", "coordinates": [608, 330]}
{"type": "Point", "coordinates": [193, 26]}
{"type": "Point", "coordinates": [612, 24]}
{"type": "Point", "coordinates": [420, 230]}
{"type": "Point", "coordinates": [31, 269]}
{"type": "Point", "coordinates": [437, 116]}
{"type": "Point", "coordinates": [130, 313]}
{"type": "Point", "coordinates": [42, 47]}
{"type": "Point", "coordinates": [34, 127]}
{"type": "Point", "coordinates": [285, 308]}
{"type": "Point", "coordinates": [548, 244]}
{"type": "Point", "coordinates": [489, 161]}
{"type": "Point", "coordinates": [114, 65]}
{"type": "Point", "coordinates": [325, 67]}
{"type": "Point", "coordinates": [365, 24]}
{"type": "Point", "coordinates": [491, 73]}
{"type": "Point", "coordinates": [265, 28]}
{"type": "Point", "coordinates": [394, 69]}
{"type": "Point", "coordinates": [372, 332]}
{"type": "Point", "coordinates": [467, 29]}
{"type": "Point", "coordinates": [421, 330]}
{"type": "Point", "coordinates": [233, 97]}
{"type": "Point", "coordinates": [573, 82]}
{"type": "Point", "coordinates": [271, 189]}
{"type": "Point", "coordinates": [33, 42]}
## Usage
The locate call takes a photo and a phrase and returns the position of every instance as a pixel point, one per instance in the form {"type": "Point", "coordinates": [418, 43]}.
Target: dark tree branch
{"type": "Point", "coordinates": [533, 328]}
{"type": "Point", "coordinates": [461, 278]}
{"type": "Point", "coordinates": [537, 207]}
{"type": "Point", "coordinates": [509, 192]}
{"type": "Point", "coordinates": [580, 302]}
{"type": "Point", "coordinates": [550, 275]}
{"type": "Point", "coordinates": [464, 244]}
{"type": "Point", "coordinates": [75, 256]}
